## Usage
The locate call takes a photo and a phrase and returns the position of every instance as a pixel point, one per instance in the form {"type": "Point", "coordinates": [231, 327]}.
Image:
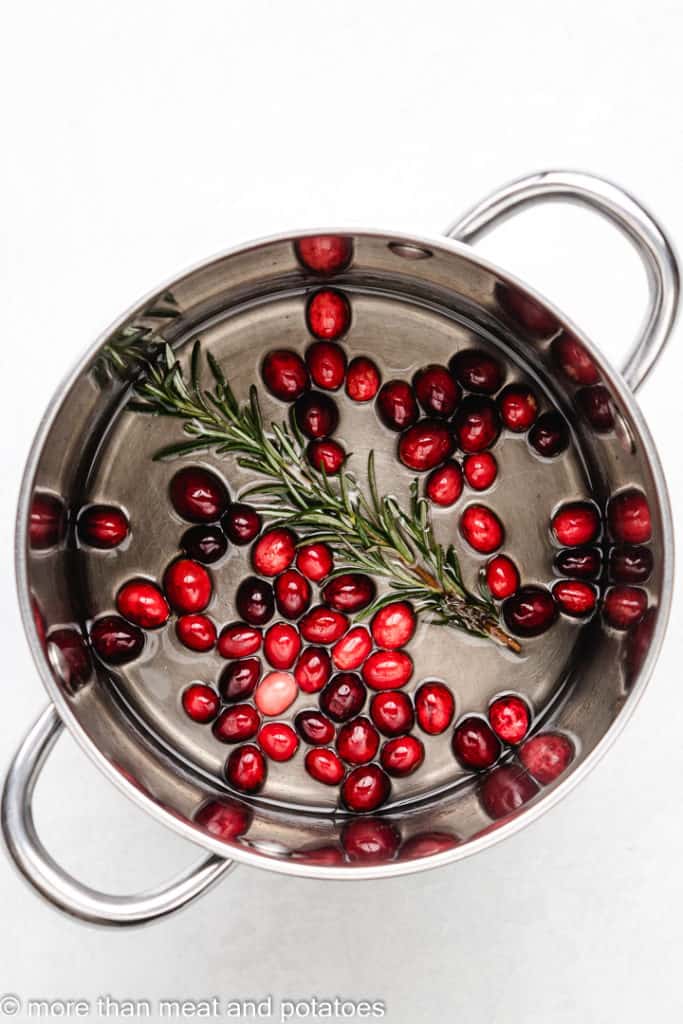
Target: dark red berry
{"type": "Point", "coordinates": [546, 756]}
{"type": "Point", "coordinates": [349, 593]}
{"type": "Point", "coordinates": [386, 670]}
{"type": "Point", "coordinates": [576, 524]}
{"type": "Point", "coordinates": [324, 766]}
{"type": "Point", "coordinates": [502, 577]}
{"type": "Point", "coordinates": [326, 455]}
{"type": "Point", "coordinates": [313, 669]}
{"type": "Point", "coordinates": [245, 769]}
{"type": "Point", "coordinates": [274, 552]}
{"type": "Point", "coordinates": [237, 724]}
{"type": "Point", "coordinates": [630, 564]}
{"type": "Point", "coordinates": [292, 594]}
{"type": "Point", "coordinates": [394, 625]}
{"type": "Point", "coordinates": [142, 603]}
{"type": "Point", "coordinates": [284, 374]}
{"type": "Point", "coordinates": [425, 445]}
{"type": "Point", "coordinates": [480, 469]}
{"type": "Point", "coordinates": [537, 321]}
{"type": "Point", "coordinates": [278, 740]}
{"type": "Point", "coordinates": [624, 606]}
{"type": "Point", "coordinates": [47, 521]}
{"type": "Point", "coordinates": [238, 679]}
{"type": "Point", "coordinates": [475, 745]}
{"type": "Point", "coordinates": [198, 495]}
{"type": "Point", "coordinates": [596, 405]}
{"type": "Point", "coordinates": [239, 640]}
{"type": "Point", "coordinates": [482, 529]}
{"type": "Point", "coordinates": [580, 564]}
{"type": "Point", "coordinates": [225, 819]}
{"type": "Point", "coordinates": [282, 645]}
{"type": "Point", "coordinates": [444, 484]}
{"type": "Point", "coordinates": [476, 424]}
{"type": "Point", "coordinates": [328, 314]}
{"type": "Point", "coordinates": [638, 644]}
{"type": "Point", "coordinates": [392, 712]}
{"type": "Point", "coordinates": [196, 632]}
{"type": "Point", "coordinates": [241, 523]}
{"type": "Point", "coordinates": [402, 755]}
{"type": "Point", "coordinates": [362, 379]}
{"type": "Point", "coordinates": [205, 544]}
{"type": "Point", "coordinates": [575, 597]}
{"type": "Point", "coordinates": [434, 707]}
{"type": "Point", "coordinates": [201, 703]}
{"type": "Point", "coordinates": [350, 652]}
{"type": "Point", "coordinates": [343, 697]}
{"type": "Point", "coordinates": [187, 585]}
{"type": "Point", "coordinates": [427, 844]}
{"type": "Point", "coordinates": [326, 362]}
{"type": "Point", "coordinates": [254, 601]}
{"type": "Point", "coordinates": [103, 526]}
{"type": "Point", "coordinates": [518, 407]}
{"type": "Point", "coordinates": [477, 371]}
{"type": "Point", "coordinates": [316, 415]}
{"type": "Point", "coordinates": [357, 741]}
{"type": "Point", "coordinates": [509, 717]}
{"type": "Point", "coordinates": [549, 435]}
{"type": "Point", "coordinates": [436, 391]}
{"type": "Point", "coordinates": [73, 662]}
{"type": "Point", "coordinates": [505, 790]}
{"type": "Point", "coordinates": [573, 359]}
{"type": "Point", "coordinates": [314, 561]}
{"type": "Point", "coordinates": [365, 788]}
{"type": "Point", "coordinates": [313, 727]}
{"type": "Point", "coordinates": [323, 856]}
{"type": "Point", "coordinates": [323, 625]}
{"type": "Point", "coordinates": [531, 611]}
{"type": "Point", "coordinates": [397, 405]}
{"type": "Point", "coordinates": [116, 641]}
{"type": "Point", "coordinates": [628, 515]}
{"type": "Point", "coordinates": [370, 842]}
{"type": "Point", "coordinates": [324, 254]}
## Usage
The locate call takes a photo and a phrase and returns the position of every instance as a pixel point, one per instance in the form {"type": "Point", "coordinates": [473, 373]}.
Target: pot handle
{"type": "Point", "coordinates": [612, 202]}
{"type": "Point", "coordinates": [45, 875]}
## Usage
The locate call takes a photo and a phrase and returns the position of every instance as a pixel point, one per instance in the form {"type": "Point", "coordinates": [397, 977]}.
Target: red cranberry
{"type": "Point", "coordinates": [546, 756]}
{"type": "Point", "coordinates": [476, 424]}
{"type": "Point", "coordinates": [481, 469]}
{"type": "Point", "coordinates": [314, 561]}
{"type": "Point", "coordinates": [386, 670]}
{"type": "Point", "coordinates": [324, 766]}
{"type": "Point", "coordinates": [350, 652]}
{"type": "Point", "coordinates": [402, 756]}
{"type": "Point", "coordinates": [583, 564]}
{"type": "Point", "coordinates": [392, 712]}
{"type": "Point", "coordinates": [502, 577]}
{"type": "Point", "coordinates": [74, 659]}
{"type": "Point", "coordinates": [505, 790]}
{"type": "Point", "coordinates": [475, 745]}
{"type": "Point", "coordinates": [394, 625]}
{"type": "Point", "coordinates": [224, 819]}
{"type": "Point", "coordinates": [274, 552]}
{"type": "Point", "coordinates": [314, 728]}
{"type": "Point", "coordinates": [324, 254]}
{"type": "Point", "coordinates": [284, 374]}
{"type": "Point", "coordinates": [326, 456]}
{"type": "Point", "coordinates": [187, 585]}
{"type": "Point", "coordinates": [362, 379]}
{"type": "Point", "coordinates": [630, 564]}
{"type": "Point", "coordinates": [596, 405]}
{"type": "Point", "coordinates": [549, 435]}
{"type": "Point", "coordinates": [205, 544]}
{"type": "Point", "coordinates": [575, 597]}
{"type": "Point", "coordinates": [47, 521]}
{"type": "Point", "coordinates": [238, 640]}
{"type": "Point", "coordinates": [292, 594]}
{"type": "Point", "coordinates": [279, 741]}
{"type": "Point", "coordinates": [396, 405]}
{"type": "Point", "coordinates": [236, 724]}
{"type": "Point", "coordinates": [624, 606]}
{"type": "Point", "coordinates": [322, 856]}
{"type": "Point", "coordinates": [434, 708]}
{"type": "Point", "coordinates": [103, 526]}
{"type": "Point", "coordinates": [196, 632]}
{"type": "Point", "coordinates": [357, 741]}
{"type": "Point", "coordinates": [509, 717]}
{"type": "Point", "coordinates": [141, 602]}
{"type": "Point", "coordinates": [628, 514]}
{"type": "Point", "coordinates": [201, 703]}
{"type": "Point", "coordinates": [282, 645]}
{"type": "Point", "coordinates": [531, 611]}
{"type": "Point", "coordinates": [428, 844]}
{"type": "Point", "coordinates": [576, 524]}
{"type": "Point", "coordinates": [574, 361]}
{"type": "Point", "coordinates": [436, 391]}
{"type": "Point", "coordinates": [328, 314]}
{"type": "Point", "coordinates": [242, 523]}
{"type": "Point", "coordinates": [323, 625]}
{"type": "Point", "coordinates": [371, 842]}
{"type": "Point", "coordinates": [349, 593]}
{"type": "Point", "coordinates": [518, 407]}
{"type": "Point", "coordinates": [365, 789]}
{"type": "Point", "coordinates": [537, 321]}
{"type": "Point", "coordinates": [477, 371]}
{"type": "Point", "coordinates": [245, 769]}
{"type": "Point", "coordinates": [444, 484]}
{"type": "Point", "coordinates": [426, 445]}
{"type": "Point", "coordinates": [326, 363]}
{"type": "Point", "coordinates": [316, 415]}
{"type": "Point", "coordinates": [343, 697]}
{"type": "Point", "coordinates": [115, 640]}
{"type": "Point", "coordinates": [238, 679]}
{"type": "Point", "coordinates": [313, 669]}
{"type": "Point", "coordinates": [198, 495]}
{"type": "Point", "coordinates": [481, 528]}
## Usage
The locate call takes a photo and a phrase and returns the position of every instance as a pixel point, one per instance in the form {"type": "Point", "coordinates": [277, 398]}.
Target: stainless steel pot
{"type": "Point", "coordinates": [411, 293]}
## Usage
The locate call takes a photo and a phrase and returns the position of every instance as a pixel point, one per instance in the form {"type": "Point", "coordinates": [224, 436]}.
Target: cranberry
{"type": "Point", "coordinates": [324, 766]}
{"type": "Point", "coordinates": [370, 841]}
{"type": "Point", "coordinates": [326, 456]}
{"type": "Point", "coordinates": [314, 561]}
{"type": "Point", "coordinates": [328, 314]}
{"type": "Point", "coordinates": [74, 660]}
{"type": "Point", "coordinates": [205, 544]}
{"type": "Point", "coordinates": [254, 601]}
{"type": "Point", "coordinates": [402, 756]}
{"type": "Point", "coordinates": [275, 693]}
{"type": "Point", "coordinates": [444, 484]}
{"type": "Point", "coordinates": [278, 740]}
{"type": "Point", "coordinates": [638, 644]}
{"type": "Point", "coordinates": [596, 405]}
{"type": "Point", "coordinates": [236, 724]}
{"type": "Point", "coordinates": [428, 844]}
{"type": "Point", "coordinates": [343, 697]}
{"type": "Point", "coordinates": [238, 679]}
{"type": "Point", "coordinates": [476, 424]}
{"type": "Point", "coordinates": [531, 611]}
{"type": "Point", "coordinates": [141, 602]}
{"type": "Point", "coordinates": [196, 632]}
{"type": "Point", "coordinates": [624, 606]}
{"type": "Point", "coordinates": [323, 625]}
{"type": "Point", "coordinates": [349, 593]}
{"type": "Point", "coordinates": [316, 415]}
{"type": "Point", "coordinates": [292, 594]}
{"type": "Point", "coordinates": [47, 521]}
{"type": "Point", "coordinates": [238, 640]}
{"type": "Point", "coordinates": [392, 712]}
{"type": "Point", "coordinates": [505, 790]}
{"type": "Point", "coordinates": [227, 820]}
{"type": "Point", "coordinates": [282, 645]}
{"type": "Point", "coordinates": [580, 564]}
{"type": "Point", "coordinates": [323, 856]}
{"type": "Point", "coordinates": [198, 495]}
{"type": "Point", "coordinates": [509, 717]}
{"type": "Point", "coordinates": [313, 669]}
{"type": "Point", "coordinates": [326, 363]}
{"type": "Point", "coordinates": [357, 741]}
{"type": "Point", "coordinates": [187, 585]}
{"type": "Point", "coordinates": [324, 254]}
{"type": "Point", "coordinates": [576, 524]}
{"type": "Point", "coordinates": [274, 551]}
{"type": "Point", "coordinates": [284, 374]}
{"type": "Point", "coordinates": [362, 379]}
{"type": "Point", "coordinates": [518, 407]}
{"type": "Point", "coordinates": [477, 371]}
{"type": "Point", "coordinates": [436, 391]}
{"type": "Point", "coordinates": [481, 528]}
{"type": "Point", "coordinates": [630, 564]}
{"type": "Point", "coordinates": [537, 321]}
{"type": "Point", "coordinates": [434, 707]}
{"type": "Point", "coordinates": [396, 405]}
{"type": "Point", "coordinates": [350, 652]}
{"type": "Point", "coordinates": [546, 756]}
{"type": "Point", "coordinates": [574, 361]}
{"type": "Point", "coordinates": [385, 670]}
{"type": "Point", "coordinates": [475, 745]}
{"type": "Point", "coordinates": [245, 769]}
{"type": "Point", "coordinates": [115, 640]}
{"type": "Point", "coordinates": [103, 526]}
{"type": "Point", "coordinates": [549, 436]}
{"type": "Point", "coordinates": [575, 597]}
{"type": "Point", "coordinates": [425, 445]}
{"type": "Point", "coordinates": [394, 625]}
{"type": "Point", "coordinates": [201, 703]}
{"type": "Point", "coordinates": [241, 523]}
{"type": "Point", "coordinates": [628, 514]}
{"type": "Point", "coordinates": [502, 577]}
{"type": "Point", "coordinates": [481, 469]}
{"type": "Point", "coordinates": [365, 788]}
{"type": "Point", "coordinates": [314, 728]}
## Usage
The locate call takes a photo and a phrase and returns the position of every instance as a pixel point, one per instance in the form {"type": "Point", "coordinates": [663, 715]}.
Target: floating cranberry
{"type": "Point", "coordinates": [238, 679]}
{"type": "Point", "coordinates": [324, 766]}
{"type": "Point", "coordinates": [343, 697]}
{"type": "Point", "coordinates": [502, 577]}
{"type": "Point", "coordinates": [205, 544]}
{"type": "Point", "coordinates": [349, 593]}
{"type": "Point", "coordinates": [314, 728]}
{"type": "Point", "coordinates": [198, 495]}
{"type": "Point", "coordinates": [282, 645]}
{"type": "Point", "coordinates": [328, 314]}
{"type": "Point", "coordinates": [630, 564]}
{"type": "Point", "coordinates": [576, 524]}
{"type": "Point", "coordinates": [549, 436]}
{"type": "Point", "coordinates": [392, 712]}
{"type": "Point", "coordinates": [436, 391]}
{"type": "Point", "coordinates": [481, 528]}
{"type": "Point", "coordinates": [313, 669]}
{"type": "Point", "coordinates": [580, 564]}
{"type": "Point", "coordinates": [509, 717]}
{"type": "Point", "coordinates": [326, 363]}
{"type": "Point", "coordinates": [278, 740]}
{"type": "Point", "coordinates": [475, 745]}
{"type": "Point", "coordinates": [115, 640]}
{"type": "Point", "coordinates": [245, 769]}
{"type": "Point", "coordinates": [326, 455]}
{"type": "Point", "coordinates": [425, 445]}
{"type": "Point", "coordinates": [255, 601]}
{"type": "Point", "coordinates": [316, 414]}
{"type": "Point", "coordinates": [201, 703]}
{"type": "Point", "coordinates": [386, 670]}
{"type": "Point", "coordinates": [518, 407]}
{"type": "Point", "coordinates": [477, 371]}
{"type": "Point", "coordinates": [365, 789]}
{"type": "Point", "coordinates": [142, 603]}
{"type": "Point", "coordinates": [314, 561]}
{"type": "Point", "coordinates": [628, 514]}
{"type": "Point", "coordinates": [481, 469]}
{"type": "Point", "coordinates": [596, 405]}
{"type": "Point", "coordinates": [324, 254]}
{"type": "Point", "coordinates": [292, 594]}
{"type": "Point", "coordinates": [394, 625]}
{"type": "Point", "coordinates": [396, 405]}
{"type": "Point", "coordinates": [275, 693]}
{"type": "Point", "coordinates": [531, 611]}
{"type": "Point", "coordinates": [284, 374]}
{"type": "Point", "coordinates": [362, 379]}
{"type": "Point", "coordinates": [187, 585]}
{"type": "Point", "coordinates": [428, 844]}
{"type": "Point", "coordinates": [74, 660]}
{"type": "Point", "coordinates": [434, 707]}
{"type": "Point", "coordinates": [370, 842]}
{"type": "Point", "coordinates": [575, 597]}
{"type": "Point", "coordinates": [47, 521]}
{"type": "Point", "coordinates": [323, 625]}
{"type": "Point", "coordinates": [196, 632]}
{"type": "Point", "coordinates": [476, 424]}
{"type": "Point", "coordinates": [537, 321]}
{"type": "Point", "coordinates": [402, 755]}
{"type": "Point", "coordinates": [444, 484]}
{"type": "Point", "coordinates": [505, 790]}
{"type": "Point", "coordinates": [238, 640]}
{"type": "Point", "coordinates": [103, 526]}
{"type": "Point", "coordinates": [546, 756]}
{"type": "Point", "coordinates": [350, 652]}
{"type": "Point", "coordinates": [573, 359]}
{"type": "Point", "coordinates": [274, 552]}
{"type": "Point", "coordinates": [241, 523]}
{"type": "Point", "coordinates": [357, 741]}
{"type": "Point", "coordinates": [624, 606]}
{"type": "Point", "coordinates": [225, 819]}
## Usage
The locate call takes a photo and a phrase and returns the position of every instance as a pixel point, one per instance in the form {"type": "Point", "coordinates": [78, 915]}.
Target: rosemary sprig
{"type": "Point", "coordinates": [369, 532]}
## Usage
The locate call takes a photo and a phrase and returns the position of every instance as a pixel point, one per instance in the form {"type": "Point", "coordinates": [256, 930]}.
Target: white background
{"type": "Point", "coordinates": [140, 137]}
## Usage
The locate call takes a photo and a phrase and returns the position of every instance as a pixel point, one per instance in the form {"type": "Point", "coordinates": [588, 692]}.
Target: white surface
{"type": "Point", "coordinates": [140, 137]}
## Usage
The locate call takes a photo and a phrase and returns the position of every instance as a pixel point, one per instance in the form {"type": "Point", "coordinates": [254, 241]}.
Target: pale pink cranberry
{"type": "Point", "coordinates": [387, 670]}
{"type": "Point", "coordinates": [394, 625]}
{"type": "Point", "coordinates": [502, 577]}
{"type": "Point", "coordinates": [546, 756]}
{"type": "Point", "coordinates": [370, 842]}
{"type": "Point", "coordinates": [278, 740]}
{"type": "Point", "coordinates": [402, 756]}
{"type": "Point", "coordinates": [275, 693]}
{"type": "Point", "coordinates": [509, 717]}
{"type": "Point", "coordinates": [324, 254]}
{"type": "Point", "coordinates": [434, 707]}
{"type": "Point", "coordinates": [313, 669]}
{"type": "Point", "coordinates": [350, 652]}
{"type": "Point", "coordinates": [481, 470]}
